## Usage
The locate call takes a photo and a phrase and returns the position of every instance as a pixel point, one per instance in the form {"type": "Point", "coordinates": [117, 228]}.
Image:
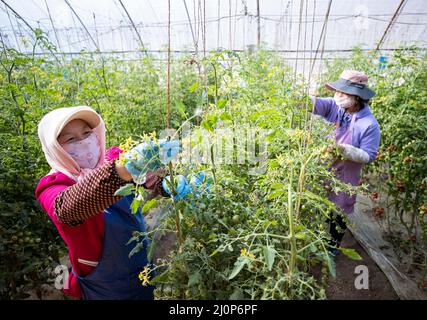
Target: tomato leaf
{"type": "Point", "coordinates": [135, 205]}
{"type": "Point", "coordinates": [181, 108]}
{"type": "Point", "coordinates": [222, 102]}
{"type": "Point", "coordinates": [238, 266]}
{"type": "Point", "coordinates": [351, 253]}
{"type": "Point", "coordinates": [193, 87]}
{"type": "Point", "coordinates": [125, 190]}
{"type": "Point", "coordinates": [148, 205]}
{"type": "Point", "coordinates": [136, 249]}
{"type": "Point", "coordinates": [269, 255]}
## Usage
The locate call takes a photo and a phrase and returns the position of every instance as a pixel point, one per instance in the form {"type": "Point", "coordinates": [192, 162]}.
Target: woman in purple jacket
{"type": "Point", "coordinates": [357, 135]}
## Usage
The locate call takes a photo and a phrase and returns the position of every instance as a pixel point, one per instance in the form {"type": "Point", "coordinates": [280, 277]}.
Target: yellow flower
{"type": "Point", "coordinates": [143, 276]}
{"type": "Point", "coordinates": [246, 253]}
{"type": "Point", "coordinates": [122, 159]}
{"type": "Point", "coordinates": [127, 145]}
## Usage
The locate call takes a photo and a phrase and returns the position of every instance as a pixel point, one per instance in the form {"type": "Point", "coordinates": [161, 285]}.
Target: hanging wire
{"type": "Point", "coordinates": [323, 46]}
{"type": "Point", "coordinates": [13, 30]}
{"type": "Point", "coordinates": [205, 75]}
{"type": "Point", "coordinates": [285, 23]}
{"type": "Point", "coordinates": [18, 16]}
{"type": "Point", "coordinates": [141, 43]}
{"type": "Point", "coordinates": [244, 23]}
{"type": "Point", "coordinates": [168, 105]}
{"type": "Point", "coordinates": [235, 23]}
{"type": "Point", "coordinates": [204, 28]}
{"type": "Point", "coordinates": [53, 25]}
{"type": "Point", "coordinates": [305, 40]}
{"type": "Point", "coordinates": [196, 26]}
{"type": "Point", "coordinates": [258, 23]}
{"type": "Point", "coordinates": [83, 25]}
{"type": "Point", "coordinates": [219, 24]}
{"type": "Point", "coordinates": [393, 19]}
{"type": "Point", "coordinates": [310, 75]}
{"type": "Point", "coordinates": [311, 43]}
{"type": "Point", "coordinates": [299, 35]}
{"type": "Point", "coordinates": [308, 115]}
{"type": "Point", "coordinates": [189, 22]}
{"type": "Point", "coordinates": [229, 25]}
{"type": "Point", "coordinates": [322, 35]}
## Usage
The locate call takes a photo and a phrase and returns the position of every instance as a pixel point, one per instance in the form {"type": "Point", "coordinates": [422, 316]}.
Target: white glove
{"type": "Point", "coordinates": [354, 154]}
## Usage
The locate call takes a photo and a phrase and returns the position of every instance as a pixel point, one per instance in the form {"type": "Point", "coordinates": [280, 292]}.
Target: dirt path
{"type": "Point", "coordinates": [343, 288]}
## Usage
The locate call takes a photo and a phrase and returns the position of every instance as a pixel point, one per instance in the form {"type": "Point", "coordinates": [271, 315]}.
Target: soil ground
{"type": "Point", "coordinates": [343, 288]}
{"type": "Point", "coordinates": [340, 288]}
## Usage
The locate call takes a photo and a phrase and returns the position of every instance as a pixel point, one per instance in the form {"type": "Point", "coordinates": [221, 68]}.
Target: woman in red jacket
{"type": "Point", "coordinates": [78, 195]}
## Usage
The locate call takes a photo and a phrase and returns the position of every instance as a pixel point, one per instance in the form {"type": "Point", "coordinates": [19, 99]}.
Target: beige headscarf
{"type": "Point", "coordinates": [50, 128]}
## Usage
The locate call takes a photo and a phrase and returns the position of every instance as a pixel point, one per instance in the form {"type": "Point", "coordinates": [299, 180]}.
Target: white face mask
{"type": "Point", "coordinates": [85, 152]}
{"type": "Point", "coordinates": [345, 102]}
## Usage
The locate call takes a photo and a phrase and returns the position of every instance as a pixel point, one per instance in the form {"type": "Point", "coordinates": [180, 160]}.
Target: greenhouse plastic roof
{"type": "Point", "coordinates": [293, 27]}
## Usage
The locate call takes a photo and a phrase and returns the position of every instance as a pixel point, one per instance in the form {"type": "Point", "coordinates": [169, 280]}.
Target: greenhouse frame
{"type": "Point", "coordinates": [213, 150]}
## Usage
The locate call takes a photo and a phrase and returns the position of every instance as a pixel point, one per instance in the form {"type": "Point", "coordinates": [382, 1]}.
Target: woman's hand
{"type": "Point", "coordinates": [198, 186]}
{"type": "Point", "coordinates": [122, 172]}
{"type": "Point", "coordinates": [182, 188]}
{"type": "Point", "coordinates": [148, 156]}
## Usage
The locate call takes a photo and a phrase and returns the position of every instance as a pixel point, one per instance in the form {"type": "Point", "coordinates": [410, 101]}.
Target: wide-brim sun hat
{"type": "Point", "coordinates": [354, 83]}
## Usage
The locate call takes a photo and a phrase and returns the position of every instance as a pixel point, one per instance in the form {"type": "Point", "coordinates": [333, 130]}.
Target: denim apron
{"type": "Point", "coordinates": [346, 170]}
{"type": "Point", "coordinates": [116, 275]}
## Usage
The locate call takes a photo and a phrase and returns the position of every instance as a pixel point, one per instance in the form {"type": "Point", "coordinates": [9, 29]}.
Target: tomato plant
{"type": "Point", "coordinates": [258, 233]}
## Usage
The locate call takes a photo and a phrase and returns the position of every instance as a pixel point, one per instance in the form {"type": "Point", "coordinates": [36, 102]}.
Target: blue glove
{"type": "Point", "coordinates": [201, 183]}
{"type": "Point", "coordinates": [182, 187]}
{"type": "Point", "coordinates": [141, 159]}
{"type": "Point", "coordinates": [147, 156]}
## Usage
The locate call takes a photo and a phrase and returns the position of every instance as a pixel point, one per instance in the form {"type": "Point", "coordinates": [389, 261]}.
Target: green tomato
{"type": "Point", "coordinates": [236, 218]}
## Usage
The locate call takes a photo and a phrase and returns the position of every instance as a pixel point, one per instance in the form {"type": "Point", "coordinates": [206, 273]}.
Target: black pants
{"type": "Point", "coordinates": [336, 235]}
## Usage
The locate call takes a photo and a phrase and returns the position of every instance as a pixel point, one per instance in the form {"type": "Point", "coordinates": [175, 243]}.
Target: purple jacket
{"type": "Point", "coordinates": [365, 135]}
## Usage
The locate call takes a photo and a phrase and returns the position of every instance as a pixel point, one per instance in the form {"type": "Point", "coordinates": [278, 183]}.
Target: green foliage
{"type": "Point", "coordinates": [256, 236]}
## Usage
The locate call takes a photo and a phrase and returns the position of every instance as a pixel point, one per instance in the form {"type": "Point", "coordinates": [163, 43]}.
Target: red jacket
{"type": "Point", "coordinates": [84, 241]}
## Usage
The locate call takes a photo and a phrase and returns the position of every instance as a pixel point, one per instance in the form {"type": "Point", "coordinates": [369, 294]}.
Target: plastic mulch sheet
{"type": "Point", "coordinates": [367, 232]}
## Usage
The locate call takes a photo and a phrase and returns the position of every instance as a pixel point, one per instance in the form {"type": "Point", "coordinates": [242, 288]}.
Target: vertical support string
{"type": "Point", "coordinates": [168, 105]}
